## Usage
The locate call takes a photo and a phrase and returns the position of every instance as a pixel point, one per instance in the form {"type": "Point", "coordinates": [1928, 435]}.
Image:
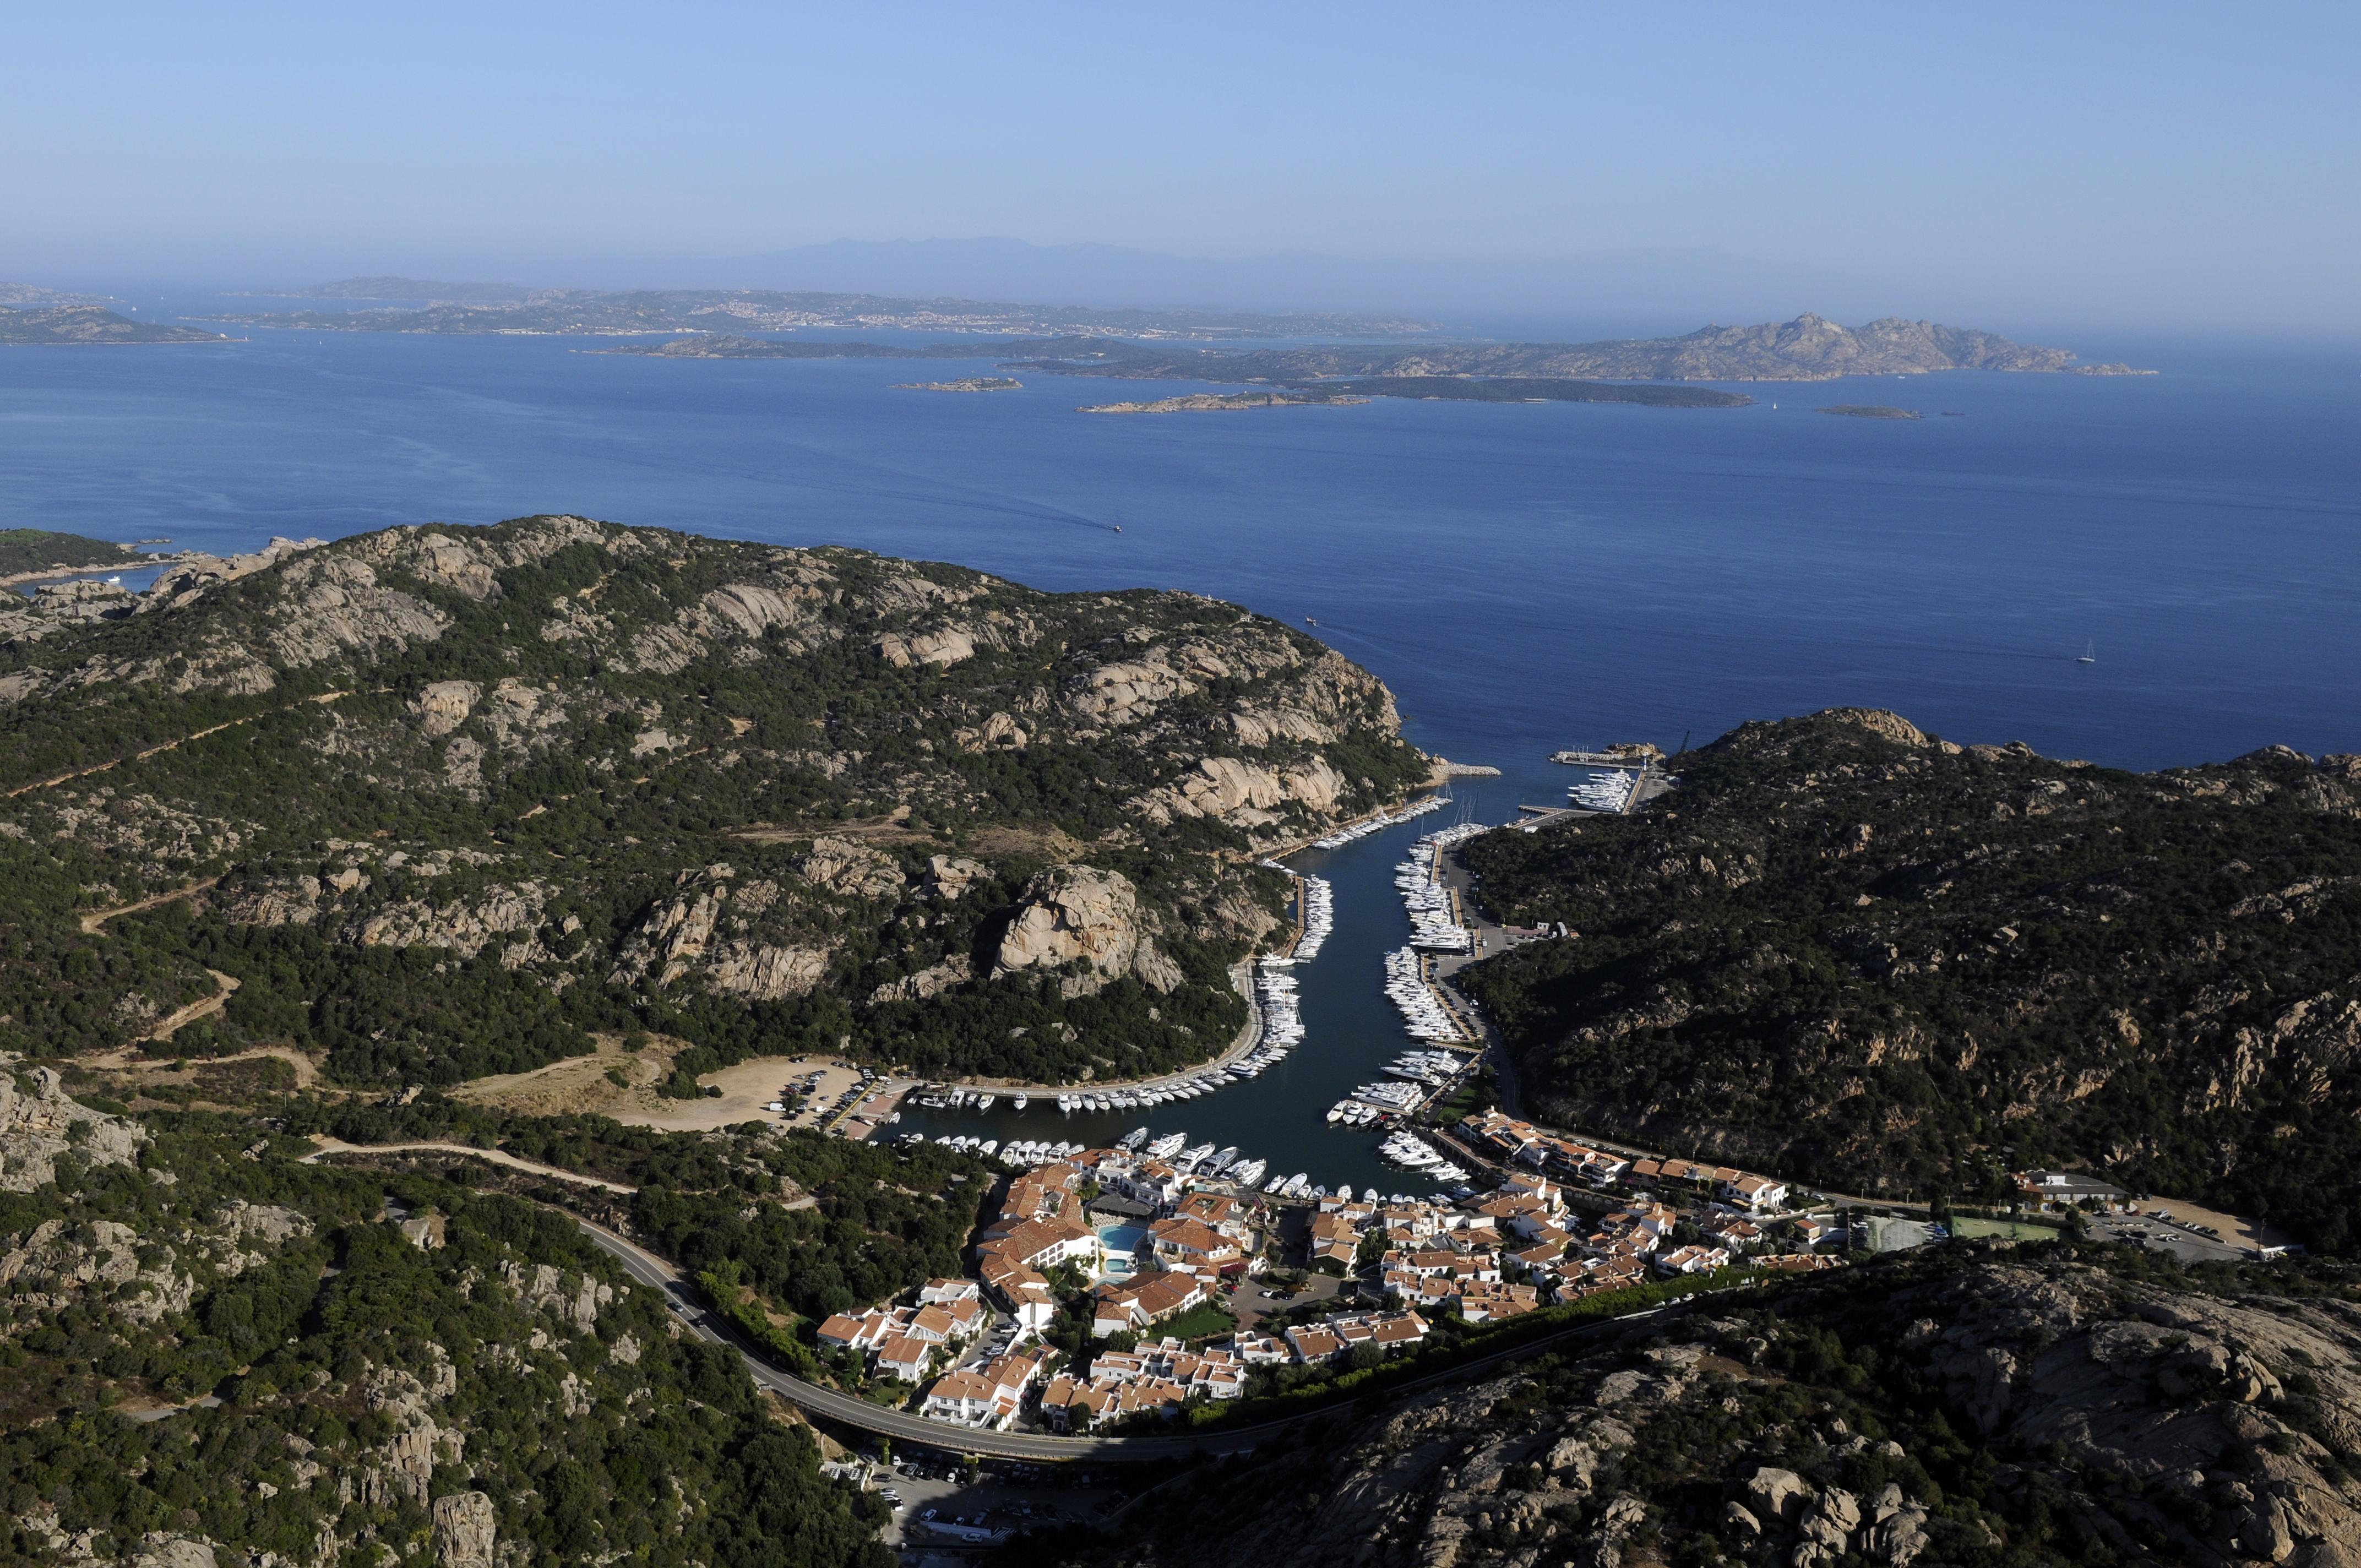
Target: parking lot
{"type": "Point", "coordinates": [2151, 1229]}
{"type": "Point", "coordinates": [1004, 1497]}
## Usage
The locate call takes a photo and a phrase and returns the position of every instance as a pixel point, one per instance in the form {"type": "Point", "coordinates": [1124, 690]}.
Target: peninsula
{"type": "Point", "coordinates": [27, 552]}
{"type": "Point", "coordinates": [92, 324]}
{"type": "Point", "coordinates": [758, 800]}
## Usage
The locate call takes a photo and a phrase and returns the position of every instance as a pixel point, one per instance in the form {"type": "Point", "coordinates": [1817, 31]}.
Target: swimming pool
{"type": "Point", "coordinates": [1122, 1244]}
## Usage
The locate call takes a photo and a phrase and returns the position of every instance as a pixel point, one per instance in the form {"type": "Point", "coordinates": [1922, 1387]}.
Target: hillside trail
{"type": "Point", "coordinates": [328, 1146]}
{"type": "Point", "coordinates": [174, 744]}
{"type": "Point", "coordinates": [98, 917]}
{"type": "Point", "coordinates": [171, 1023]}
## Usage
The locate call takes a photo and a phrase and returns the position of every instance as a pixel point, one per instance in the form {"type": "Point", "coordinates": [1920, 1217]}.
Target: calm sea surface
{"type": "Point", "coordinates": [1525, 576]}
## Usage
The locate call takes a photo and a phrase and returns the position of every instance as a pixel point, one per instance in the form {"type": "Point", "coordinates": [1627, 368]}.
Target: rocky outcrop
{"type": "Point", "coordinates": [39, 1125]}
{"type": "Point", "coordinates": [465, 927]}
{"type": "Point", "coordinates": [1244, 795]}
{"type": "Point", "coordinates": [464, 1534]}
{"type": "Point", "coordinates": [948, 876]}
{"type": "Point", "coordinates": [444, 706]}
{"type": "Point", "coordinates": [932, 980]}
{"type": "Point", "coordinates": [404, 1465]}
{"type": "Point", "coordinates": [160, 1549]}
{"type": "Point", "coordinates": [941, 648]}
{"type": "Point", "coordinates": [765, 973]}
{"type": "Point", "coordinates": [544, 1289]}
{"type": "Point", "coordinates": [293, 902]}
{"type": "Point", "coordinates": [1087, 921]}
{"type": "Point", "coordinates": [851, 868]}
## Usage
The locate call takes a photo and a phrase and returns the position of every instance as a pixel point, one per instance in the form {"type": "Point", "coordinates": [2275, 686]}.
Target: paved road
{"type": "Point", "coordinates": [660, 1275]}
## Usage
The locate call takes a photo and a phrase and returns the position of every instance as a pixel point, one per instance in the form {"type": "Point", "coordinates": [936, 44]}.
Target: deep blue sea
{"type": "Point", "coordinates": [1525, 576]}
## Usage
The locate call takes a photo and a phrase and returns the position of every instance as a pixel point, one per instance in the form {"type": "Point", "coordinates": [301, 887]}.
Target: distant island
{"type": "Point", "coordinates": [2116, 369]}
{"type": "Point", "coordinates": [1871, 410]}
{"type": "Point", "coordinates": [1809, 348]}
{"type": "Point", "coordinates": [92, 324]}
{"type": "Point", "coordinates": [966, 384]}
{"type": "Point", "coordinates": [1206, 402]}
{"type": "Point", "coordinates": [590, 312]}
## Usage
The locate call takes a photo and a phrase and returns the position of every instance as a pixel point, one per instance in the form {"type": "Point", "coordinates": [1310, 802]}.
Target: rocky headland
{"type": "Point", "coordinates": [612, 779]}
{"type": "Point", "coordinates": [1860, 955]}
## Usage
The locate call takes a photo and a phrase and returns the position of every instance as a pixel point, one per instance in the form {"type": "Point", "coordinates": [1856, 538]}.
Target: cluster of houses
{"type": "Point", "coordinates": [1150, 1249]}
{"type": "Point", "coordinates": [906, 1342]}
{"type": "Point", "coordinates": [1521, 1142]}
{"type": "Point", "coordinates": [1157, 1377]}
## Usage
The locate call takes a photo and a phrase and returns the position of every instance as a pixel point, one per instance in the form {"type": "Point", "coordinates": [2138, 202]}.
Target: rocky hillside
{"type": "Point", "coordinates": [1969, 1410]}
{"type": "Point", "coordinates": [438, 802]}
{"type": "Point", "coordinates": [1847, 950]}
{"type": "Point", "coordinates": [212, 1355]}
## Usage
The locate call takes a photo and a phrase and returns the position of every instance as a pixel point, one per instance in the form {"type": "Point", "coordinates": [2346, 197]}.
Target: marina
{"type": "Point", "coordinates": [1349, 1023]}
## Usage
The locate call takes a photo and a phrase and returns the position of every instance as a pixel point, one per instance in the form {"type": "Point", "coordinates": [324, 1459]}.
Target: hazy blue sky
{"type": "Point", "coordinates": [2137, 162]}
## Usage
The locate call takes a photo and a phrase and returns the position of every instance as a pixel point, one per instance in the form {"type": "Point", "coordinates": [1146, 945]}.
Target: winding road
{"type": "Point", "coordinates": [902, 1427]}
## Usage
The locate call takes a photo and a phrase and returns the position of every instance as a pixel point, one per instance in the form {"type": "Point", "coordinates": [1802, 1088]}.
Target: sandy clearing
{"type": "Point", "coordinates": [579, 1085]}
{"type": "Point", "coordinates": [746, 1088]}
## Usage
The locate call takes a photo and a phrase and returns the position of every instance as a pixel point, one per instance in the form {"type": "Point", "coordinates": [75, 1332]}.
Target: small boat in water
{"type": "Point", "coordinates": [2089, 654]}
{"type": "Point", "coordinates": [1019, 1102]}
